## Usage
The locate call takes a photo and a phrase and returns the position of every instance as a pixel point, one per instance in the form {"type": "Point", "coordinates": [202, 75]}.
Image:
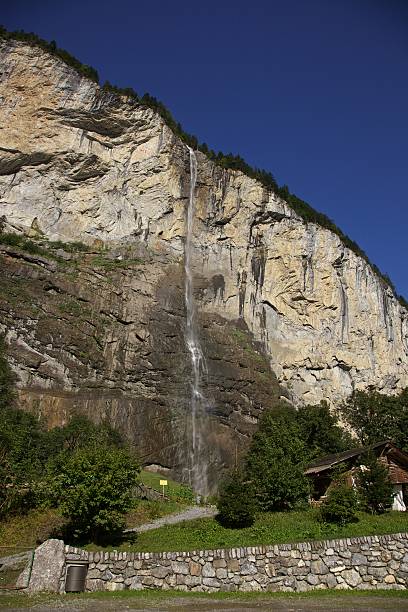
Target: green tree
{"type": "Point", "coordinates": [93, 487]}
{"type": "Point", "coordinates": [374, 485]}
{"type": "Point", "coordinates": [7, 379]}
{"type": "Point", "coordinates": [320, 432]}
{"type": "Point", "coordinates": [9, 493]}
{"type": "Point", "coordinates": [23, 440]}
{"type": "Point", "coordinates": [27, 448]}
{"type": "Point", "coordinates": [275, 463]}
{"type": "Point", "coordinates": [375, 416]}
{"type": "Point", "coordinates": [80, 432]}
{"type": "Point", "coordinates": [236, 502]}
{"type": "Point", "coordinates": [20, 440]}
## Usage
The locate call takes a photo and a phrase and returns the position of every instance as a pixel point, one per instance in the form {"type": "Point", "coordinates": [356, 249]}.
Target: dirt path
{"type": "Point", "coordinates": [190, 514]}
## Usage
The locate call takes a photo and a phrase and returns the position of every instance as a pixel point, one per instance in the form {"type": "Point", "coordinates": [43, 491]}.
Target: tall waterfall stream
{"type": "Point", "coordinates": [197, 419]}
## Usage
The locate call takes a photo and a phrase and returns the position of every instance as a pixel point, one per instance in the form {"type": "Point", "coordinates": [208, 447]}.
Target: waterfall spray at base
{"type": "Point", "coordinates": [197, 420]}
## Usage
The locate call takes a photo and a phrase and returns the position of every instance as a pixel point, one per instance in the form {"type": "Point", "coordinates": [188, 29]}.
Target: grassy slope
{"type": "Point", "coordinates": [27, 530]}
{"type": "Point", "coordinates": [273, 528]}
{"type": "Point", "coordinates": [37, 525]}
{"type": "Point", "coordinates": [174, 490]}
{"type": "Point", "coordinates": [178, 498]}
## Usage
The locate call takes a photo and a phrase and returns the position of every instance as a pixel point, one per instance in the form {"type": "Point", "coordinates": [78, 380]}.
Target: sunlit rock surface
{"type": "Point", "coordinates": [275, 296]}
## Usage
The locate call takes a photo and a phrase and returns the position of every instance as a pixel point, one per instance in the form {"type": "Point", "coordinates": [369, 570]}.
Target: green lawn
{"type": "Point", "coordinates": [174, 490]}
{"type": "Point", "coordinates": [177, 498]}
{"type": "Point", "coordinates": [274, 528]}
{"type": "Point", "coordinates": [149, 598]}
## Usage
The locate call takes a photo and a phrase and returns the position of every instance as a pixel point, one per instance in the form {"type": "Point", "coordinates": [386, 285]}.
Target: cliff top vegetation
{"type": "Point", "coordinates": [227, 161]}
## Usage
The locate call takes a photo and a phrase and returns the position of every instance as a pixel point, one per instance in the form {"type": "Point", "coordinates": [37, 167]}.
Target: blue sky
{"type": "Point", "coordinates": [315, 91]}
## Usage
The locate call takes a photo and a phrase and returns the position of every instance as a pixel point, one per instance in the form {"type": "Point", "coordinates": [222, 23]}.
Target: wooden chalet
{"type": "Point", "coordinates": [322, 471]}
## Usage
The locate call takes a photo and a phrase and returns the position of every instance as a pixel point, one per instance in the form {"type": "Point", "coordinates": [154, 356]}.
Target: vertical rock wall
{"type": "Point", "coordinates": [279, 300]}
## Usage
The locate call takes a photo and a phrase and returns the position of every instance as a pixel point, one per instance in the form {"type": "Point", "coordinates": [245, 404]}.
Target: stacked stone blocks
{"type": "Point", "coordinates": [354, 563]}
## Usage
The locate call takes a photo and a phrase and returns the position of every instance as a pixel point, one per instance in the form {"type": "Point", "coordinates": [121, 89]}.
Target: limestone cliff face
{"type": "Point", "coordinates": [77, 163]}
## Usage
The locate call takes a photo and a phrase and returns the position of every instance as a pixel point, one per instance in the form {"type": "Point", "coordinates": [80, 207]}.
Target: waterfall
{"type": "Point", "coordinates": [197, 468]}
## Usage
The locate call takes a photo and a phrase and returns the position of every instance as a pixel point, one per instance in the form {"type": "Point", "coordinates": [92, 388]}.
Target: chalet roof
{"type": "Point", "coordinates": [329, 461]}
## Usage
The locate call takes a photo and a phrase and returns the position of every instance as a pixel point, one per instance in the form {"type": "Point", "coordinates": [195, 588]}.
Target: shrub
{"type": "Point", "coordinates": [22, 242]}
{"type": "Point", "coordinates": [340, 506]}
{"type": "Point", "coordinates": [275, 463]}
{"type": "Point", "coordinates": [374, 485]}
{"type": "Point", "coordinates": [185, 494]}
{"type": "Point", "coordinates": [71, 247]}
{"type": "Point", "coordinates": [236, 502]}
{"type": "Point", "coordinates": [93, 487]}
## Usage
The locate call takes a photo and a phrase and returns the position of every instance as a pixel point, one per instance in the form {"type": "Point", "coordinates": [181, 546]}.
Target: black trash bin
{"type": "Point", "coordinates": [76, 577]}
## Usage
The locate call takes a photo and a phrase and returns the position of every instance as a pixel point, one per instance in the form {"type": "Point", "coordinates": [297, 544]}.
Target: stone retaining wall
{"type": "Point", "coordinates": [354, 563]}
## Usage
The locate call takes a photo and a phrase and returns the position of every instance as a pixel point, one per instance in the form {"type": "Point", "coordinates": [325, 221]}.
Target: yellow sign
{"type": "Point", "coordinates": [163, 483]}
